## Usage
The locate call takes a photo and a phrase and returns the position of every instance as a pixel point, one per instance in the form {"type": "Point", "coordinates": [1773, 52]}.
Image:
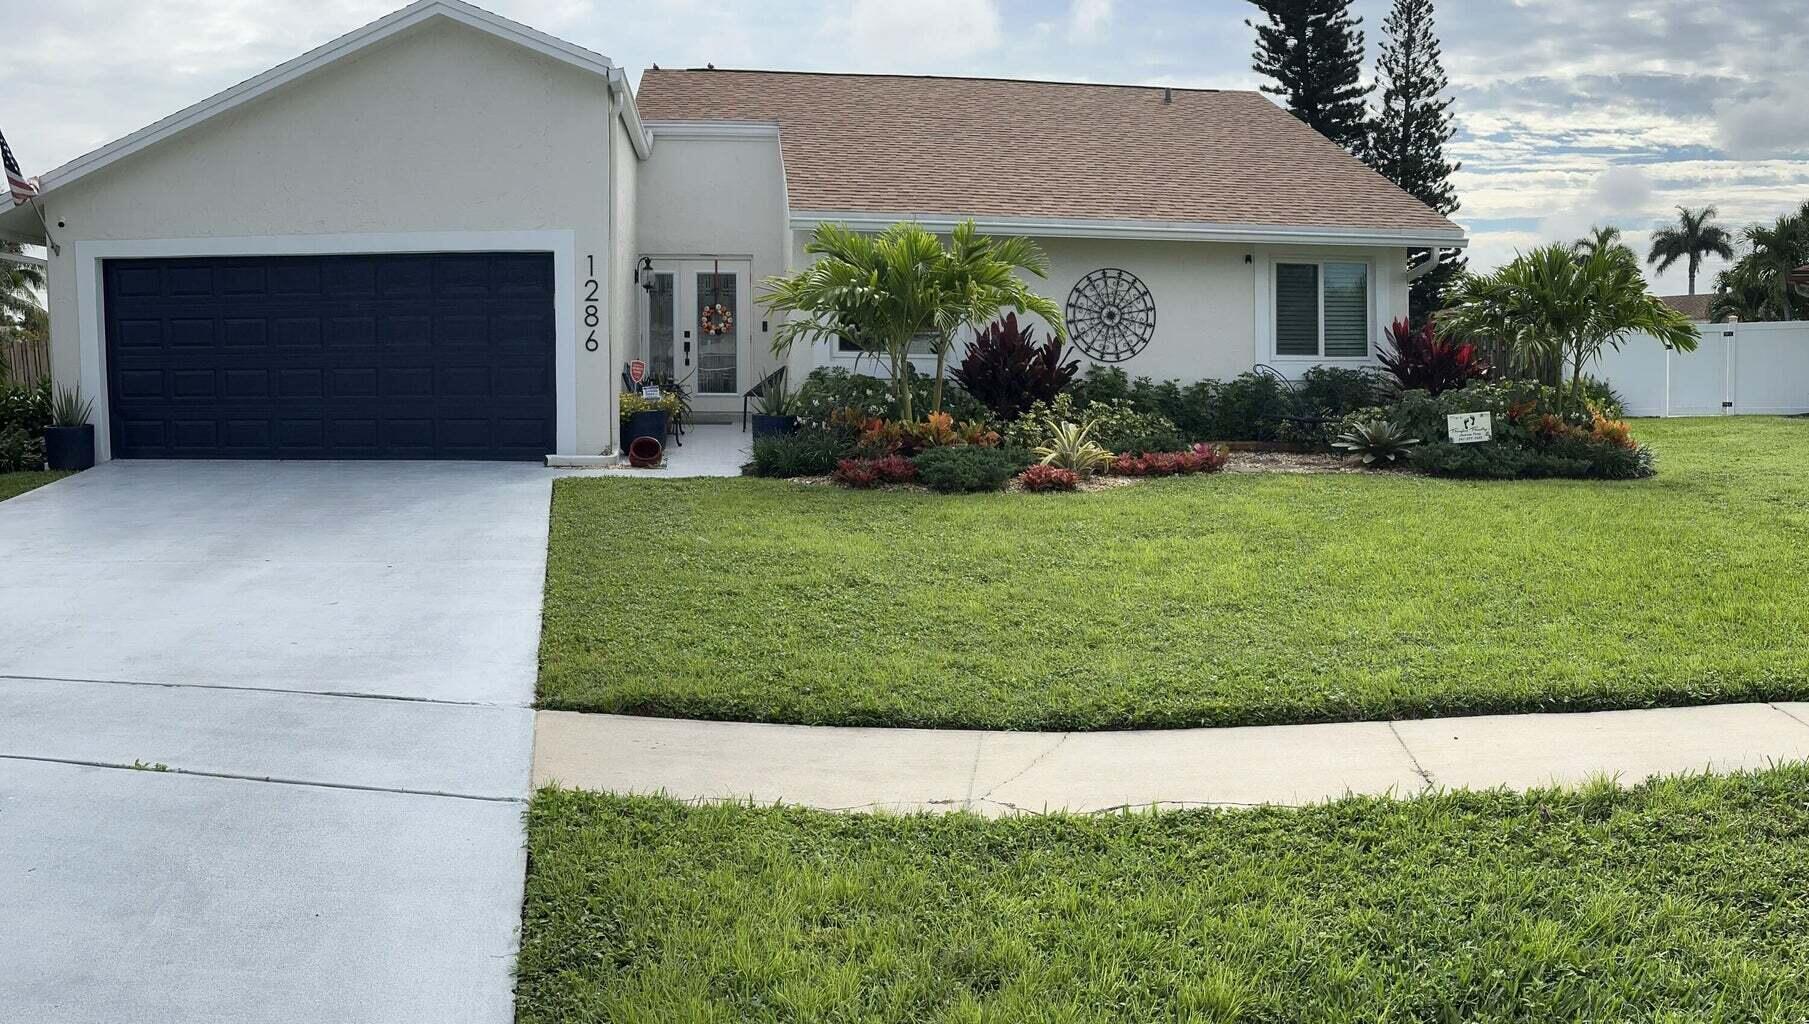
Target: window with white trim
{"type": "Point", "coordinates": [1322, 309]}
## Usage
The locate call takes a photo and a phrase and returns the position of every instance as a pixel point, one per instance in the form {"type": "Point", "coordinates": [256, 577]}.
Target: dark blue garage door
{"type": "Point", "coordinates": [432, 356]}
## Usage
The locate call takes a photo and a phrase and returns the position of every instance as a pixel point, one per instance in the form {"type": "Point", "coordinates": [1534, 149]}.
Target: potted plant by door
{"type": "Point", "coordinates": [777, 411]}
{"type": "Point", "coordinates": [69, 440]}
{"type": "Point", "coordinates": [646, 417]}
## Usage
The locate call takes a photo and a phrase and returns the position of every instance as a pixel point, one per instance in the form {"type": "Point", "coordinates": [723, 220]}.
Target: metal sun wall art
{"type": "Point", "coordinates": [1111, 315]}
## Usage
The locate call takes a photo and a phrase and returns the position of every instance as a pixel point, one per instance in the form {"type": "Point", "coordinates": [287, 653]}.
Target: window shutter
{"type": "Point", "coordinates": [1346, 310]}
{"type": "Point", "coordinates": [1296, 309]}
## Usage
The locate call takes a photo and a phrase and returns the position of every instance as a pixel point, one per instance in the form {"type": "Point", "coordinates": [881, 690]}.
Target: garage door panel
{"type": "Point", "coordinates": [412, 356]}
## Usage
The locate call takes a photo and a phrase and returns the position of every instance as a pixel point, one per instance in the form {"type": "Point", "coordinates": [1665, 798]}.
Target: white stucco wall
{"type": "Point", "coordinates": [441, 129]}
{"type": "Point", "coordinates": [706, 195]}
{"type": "Point", "coordinates": [625, 177]}
{"type": "Point", "coordinates": [1214, 310]}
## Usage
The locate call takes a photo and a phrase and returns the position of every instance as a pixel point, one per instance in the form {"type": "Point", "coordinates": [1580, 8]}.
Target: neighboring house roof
{"type": "Point", "coordinates": [927, 147]}
{"type": "Point", "coordinates": [1800, 275]}
{"type": "Point", "coordinates": [1696, 307]}
{"type": "Point", "coordinates": [418, 13]}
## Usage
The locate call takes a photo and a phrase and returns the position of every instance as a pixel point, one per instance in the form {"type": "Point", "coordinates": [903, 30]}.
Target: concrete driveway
{"type": "Point", "coordinates": [336, 662]}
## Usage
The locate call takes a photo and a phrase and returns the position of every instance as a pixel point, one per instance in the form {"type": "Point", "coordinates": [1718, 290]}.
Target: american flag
{"type": "Point", "coordinates": [17, 183]}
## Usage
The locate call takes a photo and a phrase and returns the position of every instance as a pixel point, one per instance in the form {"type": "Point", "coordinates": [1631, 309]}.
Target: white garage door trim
{"type": "Point", "coordinates": [562, 244]}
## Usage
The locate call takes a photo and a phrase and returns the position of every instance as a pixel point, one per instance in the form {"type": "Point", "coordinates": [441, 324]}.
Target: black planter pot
{"type": "Point", "coordinates": [765, 425]}
{"type": "Point", "coordinates": [69, 447]}
{"type": "Point", "coordinates": [645, 424]}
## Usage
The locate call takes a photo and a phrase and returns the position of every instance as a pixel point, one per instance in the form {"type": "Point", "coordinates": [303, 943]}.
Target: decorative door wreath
{"type": "Point", "coordinates": [1111, 315]}
{"type": "Point", "coordinates": [716, 320]}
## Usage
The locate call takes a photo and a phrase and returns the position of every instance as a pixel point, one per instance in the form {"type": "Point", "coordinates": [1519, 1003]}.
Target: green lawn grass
{"type": "Point", "coordinates": [1679, 901]}
{"type": "Point", "coordinates": [14, 484]}
{"type": "Point", "coordinates": [1224, 600]}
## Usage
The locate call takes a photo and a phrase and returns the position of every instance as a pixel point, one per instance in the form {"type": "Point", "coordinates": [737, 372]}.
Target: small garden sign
{"type": "Point", "coordinates": [1470, 427]}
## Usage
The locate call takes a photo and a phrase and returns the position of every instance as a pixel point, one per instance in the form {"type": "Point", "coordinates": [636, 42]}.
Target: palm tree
{"type": "Point", "coordinates": [1774, 253]}
{"type": "Point", "coordinates": [1740, 291]}
{"type": "Point", "coordinates": [1598, 239]}
{"type": "Point", "coordinates": [1691, 238]}
{"type": "Point", "coordinates": [882, 291]}
{"type": "Point", "coordinates": [21, 314]}
{"type": "Point", "coordinates": [1556, 309]}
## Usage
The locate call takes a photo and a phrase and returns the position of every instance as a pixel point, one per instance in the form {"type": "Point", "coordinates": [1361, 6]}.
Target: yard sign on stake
{"type": "Point", "coordinates": [1470, 427]}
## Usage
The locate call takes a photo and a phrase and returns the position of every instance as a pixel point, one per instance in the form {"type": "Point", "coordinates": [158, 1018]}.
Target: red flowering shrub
{"type": "Point", "coordinates": [1209, 458]}
{"type": "Point", "coordinates": [1200, 458]}
{"type": "Point", "coordinates": [856, 473]}
{"type": "Point", "coordinates": [1048, 478]}
{"type": "Point", "coordinates": [895, 469]}
{"type": "Point", "coordinates": [864, 473]}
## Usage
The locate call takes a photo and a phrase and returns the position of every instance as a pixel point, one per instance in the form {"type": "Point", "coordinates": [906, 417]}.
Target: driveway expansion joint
{"type": "Point", "coordinates": [270, 779]}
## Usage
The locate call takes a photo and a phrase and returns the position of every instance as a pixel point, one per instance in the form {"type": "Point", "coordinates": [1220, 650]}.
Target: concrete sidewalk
{"type": "Point", "coordinates": [1002, 773]}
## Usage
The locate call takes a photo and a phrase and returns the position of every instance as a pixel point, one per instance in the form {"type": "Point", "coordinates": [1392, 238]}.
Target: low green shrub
{"type": "Point", "coordinates": [1118, 427]}
{"type": "Point", "coordinates": [25, 410]}
{"type": "Point", "coordinates": [1572, 458]}
{"type": "Point", "coordinates": [811, 451]}
{"type": "Point", "coordinates": [19, 450]}
{"type": "Point", "coordinates": [966, 468]}
{"type": "Point", "coordinates": [829, 389]}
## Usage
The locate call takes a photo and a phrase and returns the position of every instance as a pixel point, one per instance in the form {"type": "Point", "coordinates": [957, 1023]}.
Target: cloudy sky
{"type": "Point", "coordinates": [1571, 112]}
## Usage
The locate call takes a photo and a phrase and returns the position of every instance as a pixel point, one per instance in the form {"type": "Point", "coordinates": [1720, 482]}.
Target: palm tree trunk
{"type": "Point", "coordinates": [901, 378]}
{"type": "Point", "coordinates": [936, 389]}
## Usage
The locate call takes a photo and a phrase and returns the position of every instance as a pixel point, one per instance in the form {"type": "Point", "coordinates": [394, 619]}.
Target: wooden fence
{"type": "Point", "coordinates": [27, 360]}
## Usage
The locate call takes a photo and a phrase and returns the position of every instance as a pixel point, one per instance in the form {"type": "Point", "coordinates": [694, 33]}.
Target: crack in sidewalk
{"type": "Point", "coordinates": [1787, 714]}
{"type": "Point", "coordinates": [1020, 773]}
{"type": "Point", "coordinates": [1418, 769]}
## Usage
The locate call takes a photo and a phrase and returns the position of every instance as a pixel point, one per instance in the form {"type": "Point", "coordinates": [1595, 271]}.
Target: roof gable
{"type": "Point", "coordinates": [933, 148]}
{"type": "Point", "coordinates": [418, 13]}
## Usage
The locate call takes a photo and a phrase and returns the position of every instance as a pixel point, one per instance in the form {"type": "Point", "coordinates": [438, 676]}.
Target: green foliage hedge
{"type": "Point", "coordinates": [967, 468]}
{"type": "Point", "coordinates": [810, 451]}
{"type": "Point", "coordinates": [830, 389]}
{"type": "Point", "coordinates": [24, 413]}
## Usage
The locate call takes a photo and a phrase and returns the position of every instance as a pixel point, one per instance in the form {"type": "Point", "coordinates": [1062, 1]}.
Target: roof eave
{"type": "Point", "coordinates": [21, 224]}
{"type": "Point", "coordinates": [1149, 230]}
{"type": "Point", "coordinates": [383, 28]}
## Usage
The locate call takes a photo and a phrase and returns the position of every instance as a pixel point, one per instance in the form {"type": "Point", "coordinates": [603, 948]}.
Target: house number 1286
{"type": "Point", "coordinates": [592, 316]}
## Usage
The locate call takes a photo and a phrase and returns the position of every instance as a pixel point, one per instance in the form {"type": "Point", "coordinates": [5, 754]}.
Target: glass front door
{"type": "Point", "coordinates": [694, 323]}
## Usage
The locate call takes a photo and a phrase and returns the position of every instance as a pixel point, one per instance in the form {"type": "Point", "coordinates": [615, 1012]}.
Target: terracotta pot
{"type": "Point", "coordinates": [645, 452]}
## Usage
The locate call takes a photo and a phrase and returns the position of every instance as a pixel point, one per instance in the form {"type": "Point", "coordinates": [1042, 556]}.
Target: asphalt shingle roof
{"type": "Point", "coordinates": [1006, 148]}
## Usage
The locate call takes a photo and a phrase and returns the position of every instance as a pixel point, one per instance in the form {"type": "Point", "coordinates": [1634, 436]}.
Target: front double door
{"type": "Point", "coordinates": [695, 329]}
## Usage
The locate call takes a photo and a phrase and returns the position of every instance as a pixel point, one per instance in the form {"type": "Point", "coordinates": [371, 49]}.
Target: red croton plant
{"type": "Point", "coordinates": [1424, 361]}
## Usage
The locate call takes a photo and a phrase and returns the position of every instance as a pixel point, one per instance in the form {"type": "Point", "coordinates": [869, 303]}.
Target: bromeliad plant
{"type": "Point", "coordinates": [883, 291]}
{"type": "Point", "coordinates": [1071, 446]}
{"type": "Point", "coordinates": [1423, 360]}
{"type": "Point", "coordinates": [1376, 441]}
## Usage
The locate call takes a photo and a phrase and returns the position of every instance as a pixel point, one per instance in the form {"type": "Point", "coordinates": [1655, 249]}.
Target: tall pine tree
{"type": "Point", "coordinates": [1313, 50]}
{"type": "Point", "coordinates": [1407, 140]}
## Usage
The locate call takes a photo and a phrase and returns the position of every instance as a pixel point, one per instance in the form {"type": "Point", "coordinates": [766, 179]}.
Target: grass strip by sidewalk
{"type": "Point", "coordinates": [1229, 600]}
{"type": "Point", "coordinates": [1680, 900]}
{"type": "Point", "coordinates": [14, 484]}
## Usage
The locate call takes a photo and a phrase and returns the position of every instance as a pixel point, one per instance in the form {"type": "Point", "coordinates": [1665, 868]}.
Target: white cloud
{"type": "Point", "coordinates": [1088, 19]}
{"type": "Point", "coordinates": [1772, 126]}
{"type": "Point", "coordinates": [924, 32]}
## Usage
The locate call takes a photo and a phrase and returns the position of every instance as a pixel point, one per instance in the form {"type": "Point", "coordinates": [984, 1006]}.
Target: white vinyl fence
{"type": "Point", "coordinates": [1738, 369]}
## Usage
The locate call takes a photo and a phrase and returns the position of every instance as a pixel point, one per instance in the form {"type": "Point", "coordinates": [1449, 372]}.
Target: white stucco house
{"type": "Point", "coordinates": [443, 235]}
